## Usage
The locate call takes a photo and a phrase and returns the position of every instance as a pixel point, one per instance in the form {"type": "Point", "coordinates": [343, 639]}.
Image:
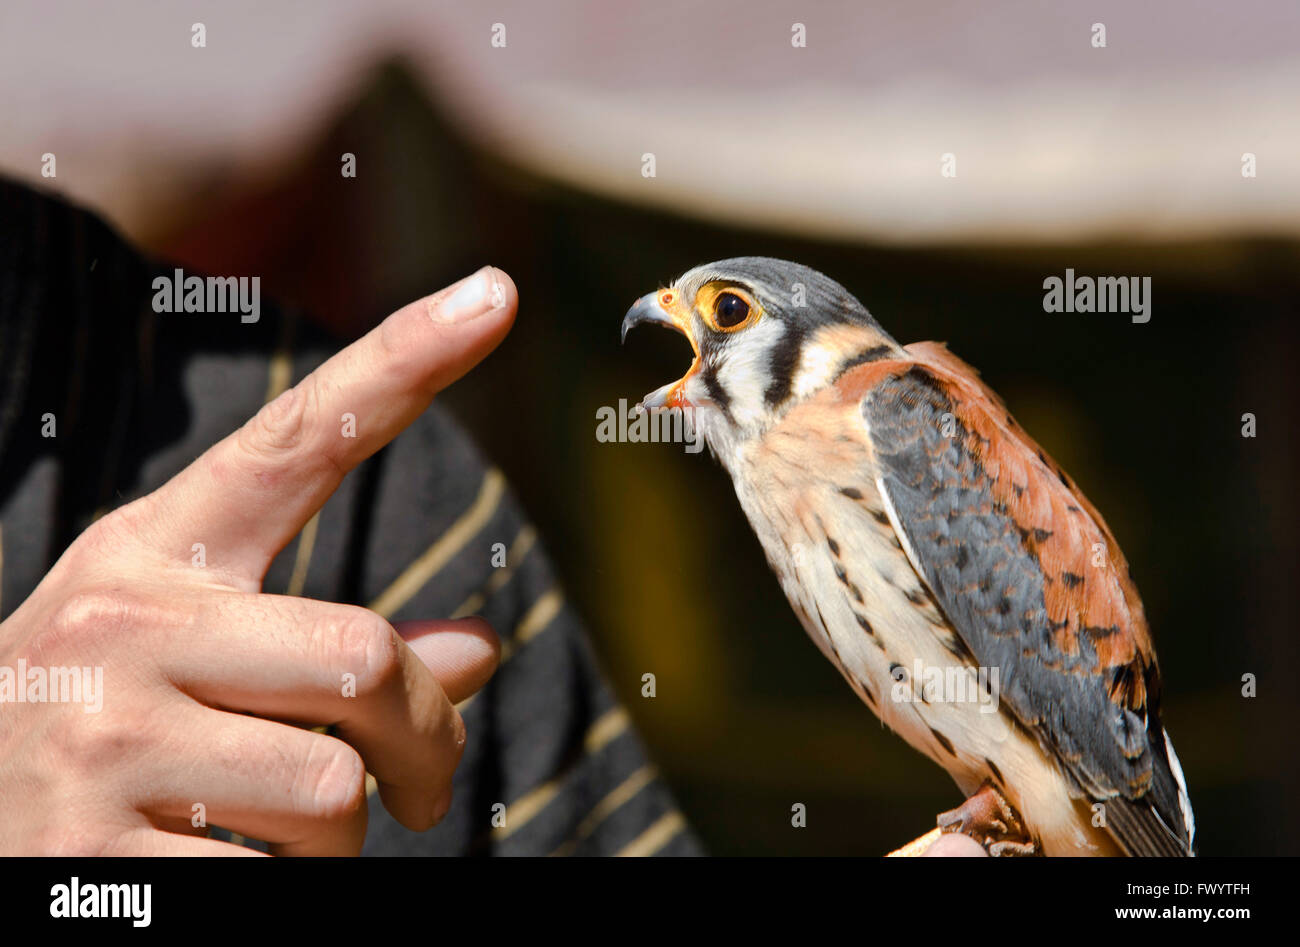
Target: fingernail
{"type": "Point", "coordinates": [468, 299]}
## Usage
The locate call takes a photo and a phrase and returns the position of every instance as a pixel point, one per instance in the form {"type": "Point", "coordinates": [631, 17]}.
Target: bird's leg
{"type": "Point", "coordinates": [989, 819]}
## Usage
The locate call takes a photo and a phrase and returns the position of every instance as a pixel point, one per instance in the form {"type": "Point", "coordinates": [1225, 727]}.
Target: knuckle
{"type": "Point", "coordinates": [455, 734]}
{"type": "Point", "coordinates": [391, 343]}
{"type": "Point", "coordinates": [86, 617]}
{"type": "Point", "coordinates": [282, 425]}
{"type": "Point", "coordinates": [100, 743]}
{"type": "Point", "coordinates": [400, 356]}
{"type": "Point", "coordinates": [366, 646]}
{"type": "Point", "coordinates": [334, 779]}
{"type": "Point", "coordinates": [444, 738]}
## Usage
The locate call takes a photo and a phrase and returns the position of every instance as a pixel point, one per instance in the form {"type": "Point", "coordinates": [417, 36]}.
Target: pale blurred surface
{"type": "Point", "coordinates": [1054, 139]}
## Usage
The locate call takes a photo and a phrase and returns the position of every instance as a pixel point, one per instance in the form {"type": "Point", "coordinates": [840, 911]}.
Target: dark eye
{"type": "Point", "coordinates": [730, 310]}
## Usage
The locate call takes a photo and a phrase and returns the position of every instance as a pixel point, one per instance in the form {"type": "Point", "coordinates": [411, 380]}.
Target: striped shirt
{"type": "Point", "coordinates": [551, 764]}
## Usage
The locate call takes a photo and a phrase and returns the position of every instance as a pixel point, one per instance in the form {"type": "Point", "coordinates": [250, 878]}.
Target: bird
{"type": "Point", "coordinates": [953, 573]}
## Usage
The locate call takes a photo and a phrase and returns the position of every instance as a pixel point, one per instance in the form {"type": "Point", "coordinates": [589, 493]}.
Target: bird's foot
{"type": "Point", "coordinates": [989, 819]}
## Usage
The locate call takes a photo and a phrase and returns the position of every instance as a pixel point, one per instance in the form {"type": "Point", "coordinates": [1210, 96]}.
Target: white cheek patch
{"type": "Point", "coordinates": [744, 371]}
{"type": "Point", "coordinates": [817, 367]}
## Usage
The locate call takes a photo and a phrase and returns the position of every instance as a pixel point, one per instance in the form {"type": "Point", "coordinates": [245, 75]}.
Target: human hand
{"type": "Point", "coordinates": [955, 845]}
{"type": "Point", "coordinates": [939, 844]}
{"type": "Point", "coordinates": [207, 682]}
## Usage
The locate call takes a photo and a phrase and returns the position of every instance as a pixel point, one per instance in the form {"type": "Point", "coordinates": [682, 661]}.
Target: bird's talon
{"type": "Point", "coordinates": [989, 819]}
{"type": "Point", "coordinates": [1012, 849]}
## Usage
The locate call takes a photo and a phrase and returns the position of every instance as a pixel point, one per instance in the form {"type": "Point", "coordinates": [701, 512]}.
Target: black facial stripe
{"type": "Point", "coordinates": [873, 354]}
{"type": "Point", "coordinates": [717, 393]}
{"type": "Point", "coordinates": [783, 364]}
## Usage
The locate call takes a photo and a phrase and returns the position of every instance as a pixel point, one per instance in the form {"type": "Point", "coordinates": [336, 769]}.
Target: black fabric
{"type": "Point", "coordinates": [136, 395]}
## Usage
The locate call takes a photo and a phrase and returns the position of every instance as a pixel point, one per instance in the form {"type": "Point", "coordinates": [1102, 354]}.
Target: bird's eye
{"type": "Point", "coordinates": [730, 310]}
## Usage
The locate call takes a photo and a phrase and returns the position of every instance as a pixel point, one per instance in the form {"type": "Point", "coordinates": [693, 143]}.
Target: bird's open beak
{"type": "Point", "coordinates": [649, 308]}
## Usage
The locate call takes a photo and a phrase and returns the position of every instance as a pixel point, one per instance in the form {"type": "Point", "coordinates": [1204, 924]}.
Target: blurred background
{"type": "Point", "coordinates": [1122, 160]}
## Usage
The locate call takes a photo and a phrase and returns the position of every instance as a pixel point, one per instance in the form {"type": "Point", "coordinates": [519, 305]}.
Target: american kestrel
{"type": "Point", "coordinates": [951, 570]}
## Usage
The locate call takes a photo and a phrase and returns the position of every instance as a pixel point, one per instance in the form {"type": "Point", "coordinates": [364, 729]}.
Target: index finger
{"type": "Point", "coordinates": [249, 495]}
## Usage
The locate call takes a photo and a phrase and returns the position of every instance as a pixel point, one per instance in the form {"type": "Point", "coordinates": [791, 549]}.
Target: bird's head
{"type": "Point", "coordinates": [766, 333]}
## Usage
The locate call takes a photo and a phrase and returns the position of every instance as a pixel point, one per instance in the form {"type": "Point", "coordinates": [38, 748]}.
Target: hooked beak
{"type": "Point", "coordinates": [650, 309]}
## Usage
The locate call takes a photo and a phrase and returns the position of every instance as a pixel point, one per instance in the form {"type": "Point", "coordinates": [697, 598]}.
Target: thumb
{"type": "Point", "coordinates": [954, 845]}
{"type": "Point", "coordinates": [462, 654]}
